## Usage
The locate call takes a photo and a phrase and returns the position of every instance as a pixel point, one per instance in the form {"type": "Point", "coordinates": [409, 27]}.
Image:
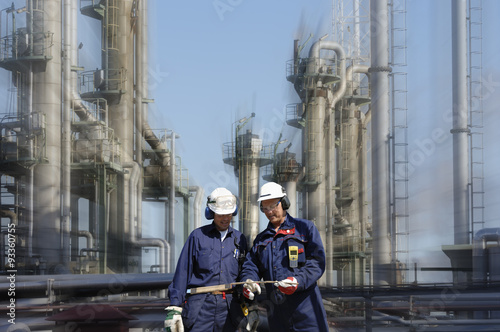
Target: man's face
{"type": "Point", "coordinates": [222, 221]}
{"type": "Point", "coordinates": [274, 211]}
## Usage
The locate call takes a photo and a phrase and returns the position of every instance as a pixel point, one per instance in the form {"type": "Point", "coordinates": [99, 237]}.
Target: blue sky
{"type": "Point", "coordinates": [220, 65]}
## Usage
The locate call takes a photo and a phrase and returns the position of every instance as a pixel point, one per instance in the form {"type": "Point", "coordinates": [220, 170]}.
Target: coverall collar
{"type": "Point", "coordinates": [214, 230]}
{"type": "Point", "coordinates": [287, 227]}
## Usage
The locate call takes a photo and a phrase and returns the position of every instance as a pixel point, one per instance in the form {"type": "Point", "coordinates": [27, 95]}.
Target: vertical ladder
{"type": "Point", "coordinates": [400, 227]}
{"type": "Point", "coordinates": [476, 114]}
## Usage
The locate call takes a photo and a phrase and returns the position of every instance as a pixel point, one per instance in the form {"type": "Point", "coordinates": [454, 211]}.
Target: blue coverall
{"type": "Point", "coordinates": [268, 259]}
{"type": "Point", "coordinates": [206, 261]}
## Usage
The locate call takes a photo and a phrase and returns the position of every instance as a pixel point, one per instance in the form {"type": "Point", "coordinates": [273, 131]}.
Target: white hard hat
{"type": "Point", "coordinates": [221, 201]}
{"type": "Point", "coordinates": [271, 190]}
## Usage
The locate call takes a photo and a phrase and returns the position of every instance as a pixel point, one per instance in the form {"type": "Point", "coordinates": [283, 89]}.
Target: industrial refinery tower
{"type": "Point", "coordinates": [78, 156]}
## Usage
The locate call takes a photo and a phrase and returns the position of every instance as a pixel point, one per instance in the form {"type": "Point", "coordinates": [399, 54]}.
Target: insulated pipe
{"type": "Point", "coordinates": [147, 132]}
{"type": "Point", "coordinates": [66, 137]}
{"type": "Point", "coordinates": [9, 214]}
{"type": "Point", "coordinates": [87, 284]}
{"type": "Point", "coordinates": [460, 129]}
{"type": "Point", "coordinates": [31, 205]}
{"type": "Point", "coordinates": [198, 200]}
{"type": "Point", "coordinates": [88, 236]}
{"type": "Point", "coordinates": [291, 192]}
{"type": "Point", "coordinates": [163, 246]}
{"type": "Point", "coordinates": [363, 190]}
{"type": "Point", "coordinates": [139, 88]}
{"type": "Point", "coordinates": [143, 130]}
{"type": "Point", "coordinates": [145, 56]}
{"type": "Point", "coordinates": [156, 144]}
{"type": "Point", "coordinates": [358, 69]}
{"type": "Point", "coordinates": [71, 32]}
{"type": "Point", "coordinates": [379, 78]}
{"type": "Point", "coordinates": [171, 205]}
{"type": "Point", "coordinates": [139, 116]}
{"type": "Point", "coordinates": [80, 109]}
{"type": "Point", "coordinates": [479, 254]}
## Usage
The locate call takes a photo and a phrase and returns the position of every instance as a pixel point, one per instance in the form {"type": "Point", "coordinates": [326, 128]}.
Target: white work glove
{"type": "Point", "coordinates": [253, 319]}
{"type": "Point", "coordinates": [173, 321]}
{"type": "Point", "coordinates": [250, 287]}
{"type": "Point", "coordinates": [287, 286]}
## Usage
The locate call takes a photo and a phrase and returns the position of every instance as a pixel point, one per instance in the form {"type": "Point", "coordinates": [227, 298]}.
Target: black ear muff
{"type": "Point", "coordinates": [285, 202]}
{"type": "Point", "coordinates": [236, 210]}
{"type": "Point", "coordinates": [209, 214]}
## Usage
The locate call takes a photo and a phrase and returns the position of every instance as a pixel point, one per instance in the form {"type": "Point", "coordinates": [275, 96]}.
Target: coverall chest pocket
{"type": "Point", "coordinates": [296, 252]}
{"type": "Point", "coordinates": [204, 259]}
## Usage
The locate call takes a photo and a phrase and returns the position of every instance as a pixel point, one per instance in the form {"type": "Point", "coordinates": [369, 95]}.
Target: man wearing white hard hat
{"type": "Point", "coordinates": [212, 255]}
{"type": "Point", "coordinates": [290, 252]}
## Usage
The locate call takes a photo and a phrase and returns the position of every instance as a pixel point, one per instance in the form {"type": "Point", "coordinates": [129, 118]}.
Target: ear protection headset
{"type": "Point", "coordinates": [209, 214]}
{"type": "Point", "coordinates": [285, 202]}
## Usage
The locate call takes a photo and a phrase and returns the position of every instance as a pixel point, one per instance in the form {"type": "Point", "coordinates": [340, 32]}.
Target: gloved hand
{"type": "Point", "coordinates": [173, 321]}
{"type": "Point", "coordinates": [287, 286]}
{"type": "Point", "coordinates": [253, 319]}
{"type": "Point", "coordinates": [250, 287]}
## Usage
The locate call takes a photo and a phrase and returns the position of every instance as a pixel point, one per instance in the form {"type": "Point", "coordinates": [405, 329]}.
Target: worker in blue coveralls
{"type": "Point", "coordinates": [212, 255]}
{"type": "Point", "coordinates": [290, 252]}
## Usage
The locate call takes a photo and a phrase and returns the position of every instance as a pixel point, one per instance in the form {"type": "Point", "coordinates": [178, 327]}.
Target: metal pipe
{"type": "Point", "coordinates": [171, 204]}
{"type": "Point", "coordinates": [460, 129]}
{"type": "Point", "coordinates": [88, 236]}
{"type": "Point", "coordinates": [198, 200]}
{"type": "Point", "coordinates": [139, 88]}
{"type": "Point", "coordinates": [78, 106]}
{"type": "Point", "coordinates": [363, 189]}
{"type": "Point", "coordinates": [291, 192]}
{"type": "Point", "coordinates": [358, 69]}
{"type": "Point", "coordinates": [479, 256]}
{"type": "Point", "coordinates": [87, 284]}
{"type": "Point", "coordinates": [156, 144]}
{"type": "Point", "coordinates": [145, 57]}
{"type": "Point", "coordinates": [380, 141]}
{"type": "Point", "coordinates": [147, 132]}
{"type": "Point", "coordinates": [31, 207]}
{"type": "Point", "coordinates": [66, 137]}
{"type": "Point", "coordinates": [163, 246]}
{"type": "Point", "coordinates": [9, 214]}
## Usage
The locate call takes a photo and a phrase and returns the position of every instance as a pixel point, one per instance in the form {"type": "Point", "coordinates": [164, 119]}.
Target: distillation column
{"type": "Point", "coordinates": [350, 228]}
{"type": "Point", "coordinates": [286, 172]}
{"type": "Point", "coordinates": [117, 56]}
{"type": "Point", "coordinates": [460, 131]}
{"type": "Point", "coordinates": [247, 155]}
{"type": "Point", "coordinates": [380, 141]}
{"type": "Point", "coordinates": [314, 141]}
{"type": "Point", "coordinates": [47, 99]}
{"type": "Point", "coordinates": [321, 74]}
